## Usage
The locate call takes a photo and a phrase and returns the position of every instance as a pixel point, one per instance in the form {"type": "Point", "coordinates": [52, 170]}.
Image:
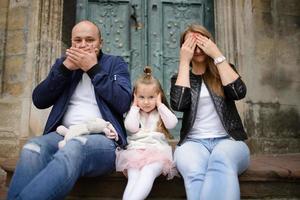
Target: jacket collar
{"type": "Point", "coordinates": [100, 54]}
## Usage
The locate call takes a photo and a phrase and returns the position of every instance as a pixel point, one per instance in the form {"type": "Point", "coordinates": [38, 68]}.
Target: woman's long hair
{"type": "Point", "coordinates": [211, 75]}
{"type": "Point", "coordinates": [148, 79]}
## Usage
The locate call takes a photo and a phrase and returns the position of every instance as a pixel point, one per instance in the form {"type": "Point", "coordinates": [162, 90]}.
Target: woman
{"type": "Point", "coordinates": [211, 152]}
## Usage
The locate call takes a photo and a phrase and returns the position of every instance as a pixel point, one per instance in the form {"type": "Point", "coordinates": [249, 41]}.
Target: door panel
{"type": "Point", "coordinates": [168, 19]}
{"type": "Point", "coordinates": [122, 27]}
{"type": "Point", "coordinates": [146, 32]}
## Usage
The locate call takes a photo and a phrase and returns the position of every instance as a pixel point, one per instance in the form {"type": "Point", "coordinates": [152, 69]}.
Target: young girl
{"type": "Point", "coordinates": [148, 154]}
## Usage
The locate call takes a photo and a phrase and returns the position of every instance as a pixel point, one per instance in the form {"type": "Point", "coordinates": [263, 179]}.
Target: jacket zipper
{"type": "Point", "coordinates": [217, 110]}
{"type": "Point", "coordinates": [198, 96]}
{"type": "Point", "coordinates": [180, 99]}
{"type": "Point", "coordinates": [233, 88]}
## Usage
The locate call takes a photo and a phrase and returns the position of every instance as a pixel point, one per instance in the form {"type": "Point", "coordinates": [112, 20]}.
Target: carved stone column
{"type": "Point", "coordinates": [233, 19]}
{"type": "Point", "coordinates": [49, 45]}
{"type": "Point", "coordinates": [30, 32]}
{"type": "Point", "coordinates": [49, 35]}
{"type": "Point", "coordinates": [32, 42]}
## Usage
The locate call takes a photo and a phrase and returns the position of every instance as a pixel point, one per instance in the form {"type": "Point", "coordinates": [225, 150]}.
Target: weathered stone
{"type": "Point", "coordinates": [4, 3]}
{"type": "Point", "coordinates": [263, 26]}
{"type": "Point", "coordinates": [264, 48]}
{"type": "Point", "coordinates": [288, 27]}
{"type": "Point", "coordinates": [9, 148]}
{"type": "Point", "coordinates": [14, 89]}
{"type": "Point", "coordinates": [17, 18]}
{"type": "Point", "coordinates": [274, 145]}
{"type": "Point", "coordinates": [10, 115]}
{"type": "Point", "coordinates": [290, 7]}
{"type": "Point", "coordinates": [18, 3]}
{"type": "Point", "coordinates": [288, 89]}
{"type": "Point", "coordinates": [7, 133]}
{"type": "Point", "coordinates": [14, 69]}
{"type": "Point", "coordinates": [272, 120]}
{"type": "Point", "coordinates": [15, 43]}
{"type": "Point", "coordinates": [262, 5]}
{"type": "Point", "coordinates": [3, 18]}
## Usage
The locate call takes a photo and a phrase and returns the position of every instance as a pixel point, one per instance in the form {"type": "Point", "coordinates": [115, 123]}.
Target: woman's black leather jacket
{"type": "Point", "coordinates": [184, 99]}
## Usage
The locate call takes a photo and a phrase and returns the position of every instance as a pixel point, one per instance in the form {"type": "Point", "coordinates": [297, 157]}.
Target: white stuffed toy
{"type": "Point", "coordinates": [97, 125]}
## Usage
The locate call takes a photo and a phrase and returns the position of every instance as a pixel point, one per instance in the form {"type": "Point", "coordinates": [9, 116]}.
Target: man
{"type": "Point", "coordinates": [83, 85]}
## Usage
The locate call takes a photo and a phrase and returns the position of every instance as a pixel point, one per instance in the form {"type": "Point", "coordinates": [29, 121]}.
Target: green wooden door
{"type": "Point", "coordinates": [146, 32]}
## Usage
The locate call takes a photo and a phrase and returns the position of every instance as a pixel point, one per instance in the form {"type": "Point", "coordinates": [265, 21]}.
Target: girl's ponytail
{"type": "Point", "coordinates": [147, 72]}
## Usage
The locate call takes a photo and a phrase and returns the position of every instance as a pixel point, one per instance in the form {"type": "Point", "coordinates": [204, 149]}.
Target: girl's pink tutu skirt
{"type": "Point", "coordinates": [138, 158]}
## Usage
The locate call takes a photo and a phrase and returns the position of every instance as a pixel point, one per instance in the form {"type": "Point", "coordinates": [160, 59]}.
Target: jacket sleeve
{"type": "Point", "coordinates": [236, 90]}
{"type": "Point", "coordinates": [180, 97]}
{"type": "Point", "coordinates": [49, 90]}
{"type": "Point", "coordinates": [114, 87]}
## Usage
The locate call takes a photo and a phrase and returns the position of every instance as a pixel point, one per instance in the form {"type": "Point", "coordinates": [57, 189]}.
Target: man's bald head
{"type": "Point", "coordinates": [87, 24]}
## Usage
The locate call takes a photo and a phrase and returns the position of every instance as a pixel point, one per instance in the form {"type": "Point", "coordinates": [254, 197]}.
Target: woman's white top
{"type": "Point", "coordinates": [83, 105]}
{"type": "Point", "coordinates": [207, 123]}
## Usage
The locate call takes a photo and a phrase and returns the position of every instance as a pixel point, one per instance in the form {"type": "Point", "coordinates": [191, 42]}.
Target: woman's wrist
{"type": "Point", "coordinates": [220, 59]}
{"type": "Point", "coordinates": [184, 63]}
{"type": "Point", "coordinates": [216, 53]}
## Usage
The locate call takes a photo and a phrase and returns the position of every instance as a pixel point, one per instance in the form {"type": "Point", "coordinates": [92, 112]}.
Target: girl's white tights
{"type": "Point", "coordinates": [140, 181]}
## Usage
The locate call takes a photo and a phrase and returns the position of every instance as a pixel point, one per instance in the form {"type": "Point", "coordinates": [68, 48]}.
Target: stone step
{"type": "Point", "coordinates": [268, 177]}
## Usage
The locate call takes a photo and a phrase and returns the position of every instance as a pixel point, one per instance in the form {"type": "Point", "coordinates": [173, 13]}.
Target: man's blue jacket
{"type": "Point", "coordinates": [112, 85]}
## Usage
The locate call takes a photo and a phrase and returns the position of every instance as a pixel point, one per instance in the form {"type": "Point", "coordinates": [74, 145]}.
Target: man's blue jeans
{"type": "Point", "coordinates": [44, 172]}
{"type": "Point", "coordinates": [210, 167]}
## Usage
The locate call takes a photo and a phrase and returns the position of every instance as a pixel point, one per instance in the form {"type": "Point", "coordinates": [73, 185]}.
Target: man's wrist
{"type": "Point", "coordinates": [67, 64]}
{"type": "Point", "coordinates": [65, 70]}
{"type": "Point", "coordinates": [93, 70]}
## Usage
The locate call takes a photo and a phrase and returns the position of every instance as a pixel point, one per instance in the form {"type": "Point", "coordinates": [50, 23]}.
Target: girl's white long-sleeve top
{"type": "Point", "coordinates": [143, 127]}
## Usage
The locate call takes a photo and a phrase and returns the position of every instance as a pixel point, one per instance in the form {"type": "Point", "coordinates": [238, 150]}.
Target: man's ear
{"type": "Point", "coordinates": [101, 44]}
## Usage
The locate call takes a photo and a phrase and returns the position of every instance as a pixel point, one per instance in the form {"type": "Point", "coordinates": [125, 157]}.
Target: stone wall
{"type": "Point", "coordinates": [260, 36]}
{"type": "Point", "coordinates": [14, 77]}
{"type": "Point", "coordinates": [30, 35]}
{"type": "Point", "coordinates": [272, 75]}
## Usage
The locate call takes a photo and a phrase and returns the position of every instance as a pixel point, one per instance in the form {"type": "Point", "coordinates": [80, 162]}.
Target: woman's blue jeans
{"type": "Point", "coordinates": [210, 167]}
{"type": "Point", "coordinates": [44, 172]}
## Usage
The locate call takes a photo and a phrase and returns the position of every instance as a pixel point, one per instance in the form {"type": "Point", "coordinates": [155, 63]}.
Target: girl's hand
{"type": "Point", "coordinates": [208, 46]}
{"type": "Point", "coordinates": [187, 50]}
{"type": "Point", "coordinates": [135, 103]}
{"type": "Point", "coordinates": [158, 100]}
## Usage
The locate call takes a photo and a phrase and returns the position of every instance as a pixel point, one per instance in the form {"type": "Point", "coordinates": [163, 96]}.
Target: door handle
{"type": "Point", "coordinates": [133, 18]}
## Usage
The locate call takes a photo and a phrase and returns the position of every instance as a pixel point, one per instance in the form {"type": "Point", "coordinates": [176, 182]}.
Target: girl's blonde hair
{"type": "Point", "coordinates": [211, 75]}
{"type": "Point", "coordinates": [148, 79]}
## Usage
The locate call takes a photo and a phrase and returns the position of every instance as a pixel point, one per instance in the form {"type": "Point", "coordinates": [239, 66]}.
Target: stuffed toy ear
{"type": "Point", "coordinates": [62, 130]}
